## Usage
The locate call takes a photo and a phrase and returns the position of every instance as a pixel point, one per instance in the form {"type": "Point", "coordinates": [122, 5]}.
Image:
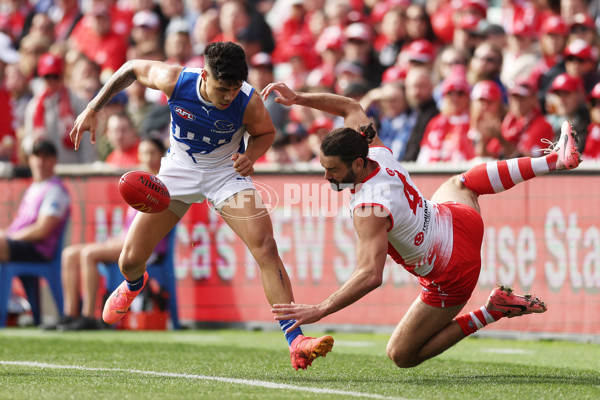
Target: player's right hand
{"type": "Point", "coordinates": [286, 96]}
{"type": "Point", "coordinates": [85, 122]}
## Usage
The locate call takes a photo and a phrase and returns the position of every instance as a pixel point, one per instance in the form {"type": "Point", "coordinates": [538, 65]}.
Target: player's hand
{"type": "Point", "coordinates": [302, 313]}
{"type": "Point", "coordinates": [242, 164]}
{"type": "Point", "coordinates": [286, 96]}
{"type": "Point", "coordinates": [85, 122]}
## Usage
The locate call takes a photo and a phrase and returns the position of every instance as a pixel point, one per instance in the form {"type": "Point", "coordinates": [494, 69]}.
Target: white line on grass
{"type": "Point", "coordinates": [265, 384]}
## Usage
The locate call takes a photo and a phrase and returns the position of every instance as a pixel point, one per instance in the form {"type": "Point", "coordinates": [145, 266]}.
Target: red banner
{"type": "Point", "coordinates": [541, 237]}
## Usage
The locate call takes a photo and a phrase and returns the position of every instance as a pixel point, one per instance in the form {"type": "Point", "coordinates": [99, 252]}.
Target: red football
{"type": "Point", "coordinates": [144, 192]}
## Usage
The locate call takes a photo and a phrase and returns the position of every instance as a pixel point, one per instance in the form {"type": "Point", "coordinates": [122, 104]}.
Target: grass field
{"type": "Point", "coordinates": [226, 364]}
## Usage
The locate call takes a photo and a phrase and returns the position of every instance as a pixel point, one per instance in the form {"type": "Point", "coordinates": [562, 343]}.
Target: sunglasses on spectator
{"type": "Point", "coordinates": [454, 62]}
{"type": "Point", "coordinates": [575, 58]}
{"type": "Point", "coordinates": [417, 18]}
{"type": "Point", "coordinates": [488, 59]}
{"type": "Point", "coordinates": [52, 77]}
{"type": "Point", "coordinates": [595, 103]}
{"type": "Point", "coordinates": [579, 29]}
{"type": "Point", "coordinates": [456, 93]}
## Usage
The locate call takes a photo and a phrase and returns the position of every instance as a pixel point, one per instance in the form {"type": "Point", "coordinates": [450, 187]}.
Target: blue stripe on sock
{"type": "Point", "coordinates": [285, 324]}
{"type": "Point", "coordinates": [135, 285]}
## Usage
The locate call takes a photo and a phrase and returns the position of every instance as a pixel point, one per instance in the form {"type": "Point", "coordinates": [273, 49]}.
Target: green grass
{"type": "Point", "coordinates": [474, 369]}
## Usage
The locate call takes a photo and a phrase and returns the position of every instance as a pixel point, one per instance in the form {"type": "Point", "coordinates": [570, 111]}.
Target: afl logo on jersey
{"type": "Point", "coordinates": [419, 238]}
{"type": "Point", "coordinates": [185, 114]}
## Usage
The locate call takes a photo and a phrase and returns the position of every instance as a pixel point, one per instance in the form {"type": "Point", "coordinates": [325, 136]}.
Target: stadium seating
{"type": "Point", "coordinates": [163, 271]}
{"type": "Point", "coordinates": [29, 273]}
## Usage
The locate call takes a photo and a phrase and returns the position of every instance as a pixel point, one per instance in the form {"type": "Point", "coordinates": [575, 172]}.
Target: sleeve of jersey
{"type": "Point", "coordinates": [375, 197]}
{"type": "Point", "coordinates": [56, 203]}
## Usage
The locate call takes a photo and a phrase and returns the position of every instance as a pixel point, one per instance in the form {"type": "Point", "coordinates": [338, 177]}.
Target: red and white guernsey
{"type": "Point", "coordinates": [420, 237]}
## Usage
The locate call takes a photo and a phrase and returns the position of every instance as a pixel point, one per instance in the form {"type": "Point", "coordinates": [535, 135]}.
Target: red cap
{"type": "Point", "coordinates": [554, 24]}
{"type": "Point", "coordinates": [320, 123]}
{"type": "Point", "coordinates": [50, 64]}
{"type": "Point", "coordinates": [456, 81]}
{"type": "Point", "coordinates": [583, 19]}
{"type": "Point", "coordinates": [595, 93]}
{"type": "Point", "coordinates": [420, 50]}
{"type": "Point", "coordinates": [358, 31]}
{"type": "Point", "coordinates": [261, 59]}
{"type": "Point", "coordinates": [566, 83]}
{"type": "Point", "coordinates": [581, 49]}
{"type": "Point", "coordinates": [480, 5]}
{"type": "Point", "coordinates": [332, 37]}
{"type": "Point", "coordinates": [522, 87]}
{"type": "Point", "coordinates": [382, 7]}
{"type": "Point", "coordinates": [394, 74]}
{"type": "Point", "coordinates": [520, 28]}
{"type": "Point", "coordinates": [469, 22]}
{"type": "Point", "coordinates": [487, 90]}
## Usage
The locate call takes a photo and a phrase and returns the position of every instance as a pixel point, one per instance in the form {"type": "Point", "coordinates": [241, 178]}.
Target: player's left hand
{"type": "Point", "coordinates": [286, 96]}
{"type": "Point", "coordinates": [242, 164]}
{"type": "Point", "coordinates": [302, 313]}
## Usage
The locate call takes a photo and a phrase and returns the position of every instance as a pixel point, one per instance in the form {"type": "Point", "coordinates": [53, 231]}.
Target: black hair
{"type": "Point", "coordinates": [226, 61]}
{"type": "Point", "coordinates": [349, 144]}
{"type": "Point", "coordinates": [157, 143]}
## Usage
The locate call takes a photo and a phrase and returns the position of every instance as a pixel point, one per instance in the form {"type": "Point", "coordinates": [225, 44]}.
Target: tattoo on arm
{"type": "Point", "coordinates": [280, 275]}
{"type": "Point", "coordinates": [119, 81]}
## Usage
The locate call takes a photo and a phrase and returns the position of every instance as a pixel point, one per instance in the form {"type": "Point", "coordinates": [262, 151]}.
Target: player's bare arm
{"type": "Point", "coordinates": [345, 107]}
{"type": "Point", "coordinates": [262, 132]}
{"type": "Point", "coordinates": [152, 74]}
{"type": "Point", "coordinates": [371, 226]}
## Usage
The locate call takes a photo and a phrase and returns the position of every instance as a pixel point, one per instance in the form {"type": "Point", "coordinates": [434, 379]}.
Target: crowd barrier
{"type": "Point", "coordinates": [542, 237]}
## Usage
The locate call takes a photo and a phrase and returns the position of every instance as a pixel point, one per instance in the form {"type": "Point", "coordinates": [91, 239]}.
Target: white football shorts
{"type": "Point", "coordinates": [188, 184]}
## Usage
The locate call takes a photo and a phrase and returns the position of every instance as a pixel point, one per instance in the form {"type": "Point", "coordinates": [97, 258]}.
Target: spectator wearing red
{"type": "Point", "coordinates": [13, 16]}
{"type": "Point", "coordinates": [8, 117]}
{"type": "Point", "coordinates": [418, 24]}
{"type": "Point", "coordinates": [66, 15]}
{"type": "Point", "coordinates": [329, 45]}
{"type": "Point", "coordinates": [584, 28]}
{"type": "Point", "coordinates": [566, 102]}
{"type": "Point", "coordinates": [50, 115]}
{"type": "Point", "coordinates": [486, 64]}
{"type": "Point", "coordinates": [553, 40]}
{"type": "Point", "coordinates": [359, 50]}
{"type": "Point", "coordinates": [524, 126]}
{"type": "Point", "coordinates": [591, 152]}
{"type": "Point", "coordinates": [486, 115]}
{"type": "Point", "coordinates": [446, 136]}
{"type": "Point", "coordinates": [419, 52]}
{"type": "Point", "coordinates": [469, 32]}
{"type": "Point", "coordinates": [123, 140]}
{"type": "Point", "coordinates": [520, 56]}
{"type": "Point", "coordinates": [391, 36]}
{"type": "Point", "coordinates": [94, 37]}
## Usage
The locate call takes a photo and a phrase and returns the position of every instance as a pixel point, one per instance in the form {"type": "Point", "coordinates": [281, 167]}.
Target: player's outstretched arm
{"type": "Point", "coordinates": [371, 225]}
{"type": "Point", "coordinates": [345, 107]}
{"type": "Point", "coordinates": [152, 74]}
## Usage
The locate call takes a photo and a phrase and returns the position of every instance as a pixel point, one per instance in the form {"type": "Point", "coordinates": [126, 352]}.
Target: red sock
{"type": "Point", "coordinates": [498, 176]}
{"type": "Point", "coordinates": [473, 321]}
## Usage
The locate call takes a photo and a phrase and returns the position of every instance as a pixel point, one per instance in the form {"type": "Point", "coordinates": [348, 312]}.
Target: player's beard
{"type": "Point", "coordinates": [346, 182]}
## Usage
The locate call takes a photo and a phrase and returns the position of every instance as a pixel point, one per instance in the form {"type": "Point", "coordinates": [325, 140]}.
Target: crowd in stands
{"type": "Point", "coordinates": [444, 80]}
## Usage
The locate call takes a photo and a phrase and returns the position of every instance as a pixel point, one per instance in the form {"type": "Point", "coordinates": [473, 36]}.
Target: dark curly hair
{"type": "Point", "coordinates": [349, 144]}
{"type": "Point", "coordinates": [226, 61]}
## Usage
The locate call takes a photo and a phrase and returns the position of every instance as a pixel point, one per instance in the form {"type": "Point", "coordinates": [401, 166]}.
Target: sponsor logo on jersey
{"type": "Point", "coordinates": [222, 126]}
{"type": "Point", "coordinates": [183, 113]}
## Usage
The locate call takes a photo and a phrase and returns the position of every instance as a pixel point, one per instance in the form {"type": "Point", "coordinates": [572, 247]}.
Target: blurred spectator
{"type": "Point", "coordinates": [178, 45]}
{"type": "Point", "coordinates": [329, 47]}
{"type": "Point", "coordinates": [446, 136]}
{"type": "Point", "coordinates": [359, 50]}
{"type": "Point", "coordinates": [486, 115]}
{"type": "Point", "coordinates": [31, 49]}
{"type": "Point", "coordinates": [521, 56]}
{"type": "Point", "coordinates": [591, 152]}
{"type": "Point", "coordinates": [496, 35]}
{"type": "Point", "coordinates": [584, 28]}
{"type": "Point", "coordinates": [469, 33]}
{"type": "Point", "coordinates": [524, 126]}
{"type": "Point", "coordinates": [347, 73]}
{"type": "Point", "coordinates": [392, 113]}
{"type": "Point", "coordinates": [206, 28]}
{"type": "Point", "coordinates": [581, 60]}
{"type": "Point", "coordinates": [43, 212]}
{"type": "Point", "coordinates": [65, 14]}
{"type": "Point", "coordinates": [392, 37]}
{"type": "Point", "coordinates": [236, 16]}
{"type": "Point", "coordinates": [172, 9]}
{"type": "Point", "coordinates": [123, 140]}
{"type": "Point", "coordinates": [553, 40]}
{"type": "Point", "coordinates": [486, 64]}
{"type": "Point", "coordinates": [442, 23]}
{"type": "Point", "coordinates": [570, 8]}
{"type": "Point", "coordinates": [83, 78]}
{"type": "Point", "coordinates": [41, 24]}
{"type": "Point", "coordinates": [94, 37]}
{"type": "Point", "coordinates": [317, 131]}
{"type": "Point", "coordinates": [51, 113]}
{"type": "Point", "coordinates": [11, 89]}
{"type": "Point", "coordinates": [14, 14]}
{"type": "Point", "coordinates": [567, 103]}
{"type": "Point", "coordinates": [418, 24]}
{"type": "Point", "coordinates": [80, 261]}
{"type": "Point", "coordinates": [418, 53]}
{"type": "Point", "coordinates": [146, 28]}
{"type": "Point", "coordinates": [419, 97]}
{"type": "Point", "coordinates": [148, 118]}
{"type": "Point", "coordinates": [259, 76]}
{"type": "Point", "coordinates": [449, 57]}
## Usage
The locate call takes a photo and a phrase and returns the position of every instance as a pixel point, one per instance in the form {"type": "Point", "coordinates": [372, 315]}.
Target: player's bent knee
{"type": "Point", "coordinates": [130, 260]}
{"type": "Point", "coordinates": [401, 358]}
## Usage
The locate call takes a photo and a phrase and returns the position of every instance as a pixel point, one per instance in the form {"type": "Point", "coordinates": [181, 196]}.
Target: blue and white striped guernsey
{"type": "Point", "coordinates": [201, 134]}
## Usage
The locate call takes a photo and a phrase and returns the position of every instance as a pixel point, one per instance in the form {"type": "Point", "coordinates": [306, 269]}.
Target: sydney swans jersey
{"type": "Point", "coordinates": [421, 234]}
{"type": "Point", "coordinates": [201, 134]}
